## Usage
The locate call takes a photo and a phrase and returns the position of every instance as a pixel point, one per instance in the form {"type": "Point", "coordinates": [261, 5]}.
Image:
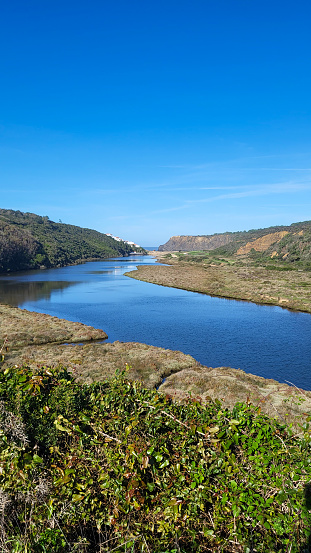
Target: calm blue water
{"type": "Point", "coordinates": [267, 341]}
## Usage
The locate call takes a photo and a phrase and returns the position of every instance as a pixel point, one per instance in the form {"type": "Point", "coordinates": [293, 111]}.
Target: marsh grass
{"type": "Point", "coordinates": [23, 328]}
{"type": "Point", "coordinates": [94, 362]}
{"type": "Point", "coordinates": [287, 403]}
{"type": "Point", "coordinates": [97, 361]}
{"type": "Point", "coordinates": [233, 278]}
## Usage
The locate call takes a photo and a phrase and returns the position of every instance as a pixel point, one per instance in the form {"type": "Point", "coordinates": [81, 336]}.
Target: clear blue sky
{"type": "Point", "coordinates": [148, 119]}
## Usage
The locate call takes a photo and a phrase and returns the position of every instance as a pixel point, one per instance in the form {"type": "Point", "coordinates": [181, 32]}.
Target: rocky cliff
{"type": "Point", "coordinates": [292, 242]}
{"type": "Point", "coordinates": [192, 243]}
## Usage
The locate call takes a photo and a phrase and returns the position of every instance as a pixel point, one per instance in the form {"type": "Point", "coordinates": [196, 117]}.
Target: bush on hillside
{"type": "Point", "coordinates": [113, 466]}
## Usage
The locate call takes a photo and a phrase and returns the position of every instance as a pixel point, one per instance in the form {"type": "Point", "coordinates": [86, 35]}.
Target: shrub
{"type": "Point", "coordinates": [114, 465]}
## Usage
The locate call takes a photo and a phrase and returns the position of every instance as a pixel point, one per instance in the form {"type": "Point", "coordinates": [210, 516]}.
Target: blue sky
{"type": "Point", "coordinates": [151, 119]}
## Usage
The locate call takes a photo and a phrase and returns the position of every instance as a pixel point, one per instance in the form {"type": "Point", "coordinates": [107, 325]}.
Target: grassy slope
{"type": "Point", "coordinates": [295, 246]}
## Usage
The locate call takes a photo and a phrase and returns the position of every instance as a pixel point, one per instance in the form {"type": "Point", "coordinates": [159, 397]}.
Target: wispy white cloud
{"type": "Point", "coordinates": [267, 189]}
{"type": "Point", "coordinates": [232, 175]}
{"type": "Point", "coordinates": [263, 190]}
{"type": "Point", "coordinates": [193, 188]}
{"type": "Point", "coordinates": [276, 169]}
{"type": "Point", "coordinates": [248, 163]}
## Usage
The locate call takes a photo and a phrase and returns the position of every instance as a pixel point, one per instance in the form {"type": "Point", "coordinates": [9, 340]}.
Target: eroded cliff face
{"type": "Point", "coordinates": [291, 242]}
{"type": "Point", "coordinates": [263, 243]}
{"type": "Point", "coordinates": [193, 243]}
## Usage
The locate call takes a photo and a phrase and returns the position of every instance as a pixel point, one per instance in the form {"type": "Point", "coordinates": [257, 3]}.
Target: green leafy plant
{"type": "Point", "coordinates": [113, 465]}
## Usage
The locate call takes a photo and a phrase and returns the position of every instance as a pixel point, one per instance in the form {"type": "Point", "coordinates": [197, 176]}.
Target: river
{"type": "Point", "coordinates": [264, 340]}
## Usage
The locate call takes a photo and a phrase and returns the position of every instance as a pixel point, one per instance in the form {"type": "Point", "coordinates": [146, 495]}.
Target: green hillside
{"type": "Point", "coordinates": [290, 244]}
{"type": "Point", "coordinates": [279, 246]}
{"type": "Point", "coordinates": [294, 246]}
{"type": "Point", "coordinates": [28, 241]}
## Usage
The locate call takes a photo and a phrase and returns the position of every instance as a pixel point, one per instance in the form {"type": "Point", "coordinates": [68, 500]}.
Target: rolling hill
{"type": "Point", "coordinates": [286, 243]}
{"type": "Point", "coordinates": [29, 241]}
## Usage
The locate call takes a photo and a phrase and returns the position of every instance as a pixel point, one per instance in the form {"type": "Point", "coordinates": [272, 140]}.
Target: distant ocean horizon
{"type": "Point", "coordinates": [150, 248]}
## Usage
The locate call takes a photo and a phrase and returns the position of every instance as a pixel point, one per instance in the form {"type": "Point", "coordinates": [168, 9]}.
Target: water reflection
{"type": "Point", "coordinates": [263, 340]}
{"type": "Point", "coordinates": [100, 272]}
{"type": "Point", "coordinates": [16, 293]}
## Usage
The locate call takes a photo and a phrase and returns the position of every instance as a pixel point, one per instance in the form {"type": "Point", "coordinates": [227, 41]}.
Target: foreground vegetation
{"type": "Point", "coordinates": [28, 241]}
{"type": "Point", "coordinates": [113, 466]}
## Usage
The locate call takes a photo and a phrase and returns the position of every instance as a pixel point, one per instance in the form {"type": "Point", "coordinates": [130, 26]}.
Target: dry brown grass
{"type": "Point", "coordinates": [286, 403]}
{"type": "Point", "coordinates": [291, 289]}
{"type": "Point", "coordinates": [23, 328]}
{"type": "Point", "coordinates": [32, 340]}
{"type": "Point", "coordinates": [94, 362]}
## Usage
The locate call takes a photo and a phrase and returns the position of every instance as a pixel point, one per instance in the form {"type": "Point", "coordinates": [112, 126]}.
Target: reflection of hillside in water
{"type": "Point", "coordinates": [16, 293]}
